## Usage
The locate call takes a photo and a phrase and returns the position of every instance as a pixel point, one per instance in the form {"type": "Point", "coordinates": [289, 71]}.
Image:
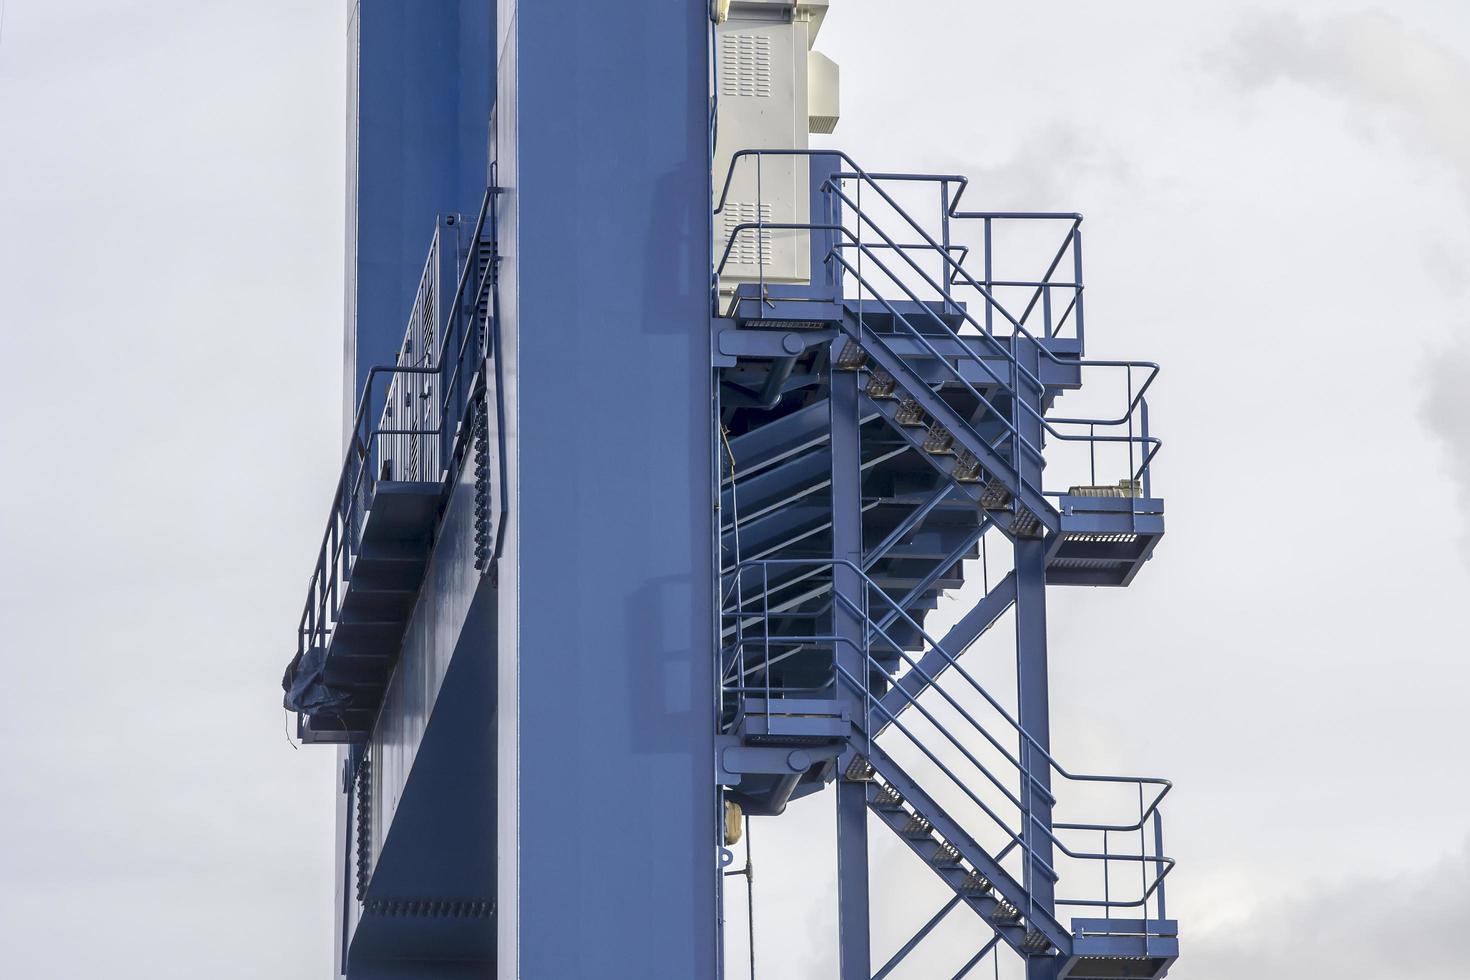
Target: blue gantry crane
{"type": "Point", "coordinates": [704, 459]}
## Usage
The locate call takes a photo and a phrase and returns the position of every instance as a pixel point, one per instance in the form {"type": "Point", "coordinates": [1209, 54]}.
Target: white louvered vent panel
{"type": "Point", "coordinates": [745, 66]}
{"type": "Point", "coordinates": [752, 243]}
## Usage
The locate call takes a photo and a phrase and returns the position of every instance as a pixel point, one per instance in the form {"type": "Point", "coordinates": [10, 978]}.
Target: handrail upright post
{"type": "Point", "coordinates": [1147, 474]}
{"type": "Point", "coordinates": [946, 277]}
{"type": "Point", "coordinates": [760, 230]}
{"type": "Point", "coordinates": [766, 627]}
{"type": "Point", "coordinates": [1046, 324]}
{"type": "Point", "coordinates": [1077, 279]}
{"type": "Point", "coordinates": [989, 278]}
{"type": "Point", "coordinates": [335, 554]}
{"type": "Point", "coordinates": [822, 171]}
{"type": "Point", "coordinates": [1142, 850]}
{"type": "Point", "coordinates": [1158, 855]}
{"type": "Point", "coordinates": [1092, 454]}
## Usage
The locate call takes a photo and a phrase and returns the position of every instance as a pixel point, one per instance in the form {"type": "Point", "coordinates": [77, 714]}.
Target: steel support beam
{"type": "Point", "coordinates": [852, 803]}
{"type": "Point", "coordinates": [938, 659]}
{"type": "Point", "coordinates": [917, 938]}
{"type": "Point", "coordinates": [1033, 697]}
{"type": "Point", "coordinates": [850, 652]}
{"type": "Point", "coordinates": [611, 661]}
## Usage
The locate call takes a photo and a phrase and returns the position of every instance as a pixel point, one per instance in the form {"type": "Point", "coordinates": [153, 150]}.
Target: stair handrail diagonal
{"type": "Point", "coordinates": [986, 452]}
{"type": "Point", "coordinates": [1003, 594]}
{"type": "Point", "coordinates": [954, 834]}
{"type": "Point", "coordinates": [355, 479]}
{"type": "Point", "coordinates": [1037, 787]}
{"type": "Point", "coordinates": [956, 555]}
{"type": "Point", "coordinates": [1048, 425]}
{"type": "Point", "coordinates": [985, 334]}
{"type": "Point", "coordinates": [867, 335]}
{"type": "Point", "coordinates": [1018, 325]}
{"type": "Point", "coordinates": [953, 661]}
{"type": "Point", "coordinates": [1162, 864]}
{"type": "Point", "coordinates": [872, 180]}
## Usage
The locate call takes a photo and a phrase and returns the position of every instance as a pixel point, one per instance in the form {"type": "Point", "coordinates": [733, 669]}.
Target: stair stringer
{"type": "Point", "coordinates": [992, 462]}
{"type": "Point", "coordinates": [977, 857]}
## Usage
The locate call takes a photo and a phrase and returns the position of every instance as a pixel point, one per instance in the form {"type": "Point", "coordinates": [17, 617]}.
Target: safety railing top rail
{"type": "Point", "coordinates": [458, 363]}
{"type": "Point", "coordinates": [1143, 446]}
{"type": "Point", "coordinates": [949, 212]}
{"type": "Point", "coordinates": [844, 237]}
{"type": "Point", "coordinates": [1030, 784]}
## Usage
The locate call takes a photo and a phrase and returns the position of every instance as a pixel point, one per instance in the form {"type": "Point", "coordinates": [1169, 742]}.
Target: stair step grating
{"type": "Point", "coordinates": [1005, 912]}
{"type": "Point", "coordinates": [909, 412]}
{"type": "Point", "coordinates": [995, 495]}
{"type": "Point", "coordinates": [966, 467]}
{"type": "Point", "coordinates": [881, 384]}
{"type": "Point", "coordinates": [975, 883]}
{"type": "Point", "coordinates": [939, 440]}
{"type": "Point", "coordinates": [859, 770]}
{"type": "Point", "coordinates": [888, 798]}
{"type": "Point", "coordinates": [852, 357]}
{"type": "Point", "coordinates": [917, 825]}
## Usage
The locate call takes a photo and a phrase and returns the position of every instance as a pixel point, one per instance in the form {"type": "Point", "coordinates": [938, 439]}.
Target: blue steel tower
{"type": "Point", "coordinates": [668, 436]}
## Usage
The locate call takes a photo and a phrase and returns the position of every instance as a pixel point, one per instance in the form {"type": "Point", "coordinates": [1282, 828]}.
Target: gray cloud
{"type": "Point", "coordinates": [1446, 411]}
{"type": "Point", "coordinates": [1396, 83]}
{"type": "Point", "coordinates": [1379, 926]}
{"type": "Point", "coordinates": [1393, 79]}
{"type": "Point", "coordinates": [170, 229]}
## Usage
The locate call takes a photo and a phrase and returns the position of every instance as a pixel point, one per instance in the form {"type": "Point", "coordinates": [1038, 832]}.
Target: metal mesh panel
{"type": "Point", "coordinates": [408, 449]}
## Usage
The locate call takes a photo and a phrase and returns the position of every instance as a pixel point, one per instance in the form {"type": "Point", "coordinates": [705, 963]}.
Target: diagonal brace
{"type": "Point", "coordinates": [942, 655]}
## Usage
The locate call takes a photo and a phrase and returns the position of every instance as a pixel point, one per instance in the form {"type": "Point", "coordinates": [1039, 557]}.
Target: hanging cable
{"type": "Point", "coordinates": [750, 898]}
{"type": "Point", "coordinates": [748, 873]}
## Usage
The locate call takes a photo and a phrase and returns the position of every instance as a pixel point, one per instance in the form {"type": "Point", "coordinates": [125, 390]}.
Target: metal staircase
{"type": "Point", "coordinates": [886, 428]}
{"type": "Point", "coordinates": [419, 424]}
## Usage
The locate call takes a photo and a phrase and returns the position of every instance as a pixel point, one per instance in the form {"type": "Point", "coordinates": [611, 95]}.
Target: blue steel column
{"type": "Point", "coordinates": [1033, 697]}
{"type": "Point", "coordinates": [847, 546]}
{"type": "Point", "coordinates": [608, 857]}
{"type": "Point", "coordinates": [420, 87]}
{"type": "Point", "coordinates": [851, 797]}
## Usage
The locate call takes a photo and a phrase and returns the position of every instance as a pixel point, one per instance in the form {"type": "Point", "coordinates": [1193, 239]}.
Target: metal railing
{"type": "Point", "coordinates": [423, 429]}
{"type": "Point", "coordinates": [766, 637]}
{"type": "Point", "coordinates": [980, 345]}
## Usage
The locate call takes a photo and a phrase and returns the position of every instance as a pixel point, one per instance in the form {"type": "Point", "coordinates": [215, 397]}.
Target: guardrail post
{"type": "Point", "coordinates": [825, 209]}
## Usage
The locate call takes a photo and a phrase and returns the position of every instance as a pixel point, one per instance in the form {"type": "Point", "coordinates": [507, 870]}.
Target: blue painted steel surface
{"type": "Point", "coordinates": [938, 398]}
{"type": "Point", "coordinates": [608, 838]}
{"type": "Point", "coordinates": [789, 479]}
{"type": "Point", "coordinates": [420, 89]}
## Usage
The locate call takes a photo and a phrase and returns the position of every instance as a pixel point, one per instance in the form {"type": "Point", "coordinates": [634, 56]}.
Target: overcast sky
{"type": "Point", "coordinates": [1276, 198]}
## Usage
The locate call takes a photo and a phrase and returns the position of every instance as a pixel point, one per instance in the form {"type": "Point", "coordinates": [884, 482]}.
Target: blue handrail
{"type": "Point", "coordinates": [1148, 809]}
{"type": "Point", "coordinates": [459, 362]}
{"type": "Point", "coordinates": [845, 238]}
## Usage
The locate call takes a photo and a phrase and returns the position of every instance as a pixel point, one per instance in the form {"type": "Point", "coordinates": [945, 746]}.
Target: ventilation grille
{"type": "Point", "coordinates": [752, 243]}
{"type": "Point", "coordinates": [745, 66]}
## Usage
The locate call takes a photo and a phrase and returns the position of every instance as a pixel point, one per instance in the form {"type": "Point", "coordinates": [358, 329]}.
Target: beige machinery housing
{"type": "Point", "coordinates": [772, 90]}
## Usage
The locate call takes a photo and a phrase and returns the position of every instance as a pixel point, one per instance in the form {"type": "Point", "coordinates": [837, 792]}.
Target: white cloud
{"type": "Point", "coordinates": [1379, 924]}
